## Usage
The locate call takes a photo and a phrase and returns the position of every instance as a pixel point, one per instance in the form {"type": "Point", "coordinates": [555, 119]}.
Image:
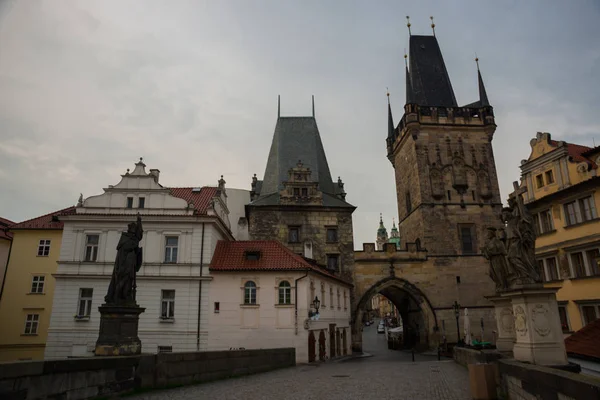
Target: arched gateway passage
{"type": "Point", "coordinates": [418, 316]}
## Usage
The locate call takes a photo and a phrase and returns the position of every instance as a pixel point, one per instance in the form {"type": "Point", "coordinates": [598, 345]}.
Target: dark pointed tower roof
{"type": "Point", "coordinates": [483, 99]}
{"type": "Point", "coordinates": [297, 138]}
{"type": "Point", "coordinates": [429, 78]}
{"type": "Point", "coordinates": [390, 119]}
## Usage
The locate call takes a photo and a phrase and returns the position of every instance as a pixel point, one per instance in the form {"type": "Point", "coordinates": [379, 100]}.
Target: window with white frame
{"type": "Point", "coordinates": [84, 308]}
{"type": "Point", "coordinates": [345, 300]}
{"type": "Point", "coordinates": [331, 296]}
{"type": "Point", "coordinates": [91, 247]}
{"type": "Point", "coordinates": [323, 295]}
{"type": "Point", "coordinates": [338, 299]}
{"type": "Point", "coordinates": [542, 270]}
{"type": "Point", "coordinates": [31, 324]}
{"type": "Point", "coordinates": [585, 262]}
{"type": "Point", "coordinates": [141, 202]}
{"type": "Point", "coordinates": [167, 304]}
{"type": "Point", "coordinates": [564, 318]}
{"type": "Point", "coordinates": [285, 293]}
{"type": "Point", "coordinates": [250, 292]}
{"type": "Point", "coordinates": [312, 289]}
{"type": "Point", "coordinates": [44, 248]}
{"type": "Point", "coordinates": [593, 259]}
{"type": "Point", "coordinates": [589, 312]}
{"type": "Point", "coordinates": [171, 247]}
{"type": "Point", "coordinates": [37, 284]}
{"type": "Point", "coordinates": [577, 264]}
{"type": "Point", "coordinates": [549, 269]}
{"type": "Point", "coordinates": [546, 222]}
{"type": "Point", "coordinates": [580, 210]}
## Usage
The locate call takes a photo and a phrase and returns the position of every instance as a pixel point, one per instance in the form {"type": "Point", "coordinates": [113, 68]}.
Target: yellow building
{"type": "Point", "coordinates": [563, 195]}
{"type": "Point", "coordinates": [26, 302]}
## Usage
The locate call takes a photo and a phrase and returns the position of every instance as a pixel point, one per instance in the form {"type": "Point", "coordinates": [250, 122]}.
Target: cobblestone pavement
{"type": "Point", "coordinates": [387, 375]}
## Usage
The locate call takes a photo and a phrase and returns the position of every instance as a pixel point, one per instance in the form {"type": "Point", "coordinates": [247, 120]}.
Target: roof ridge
{"type": "Point", "coordinates": [45, 215]}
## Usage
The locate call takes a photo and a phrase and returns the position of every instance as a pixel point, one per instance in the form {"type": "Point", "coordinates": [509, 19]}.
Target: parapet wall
{"type": "Point", "coordinates": [83, 378]}
{"type": "Point", "coordinates": [526, 381]}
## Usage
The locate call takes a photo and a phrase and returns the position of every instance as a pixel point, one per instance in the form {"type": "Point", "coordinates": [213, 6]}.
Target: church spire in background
{"type": "Point", "coordinates": [390, 118]}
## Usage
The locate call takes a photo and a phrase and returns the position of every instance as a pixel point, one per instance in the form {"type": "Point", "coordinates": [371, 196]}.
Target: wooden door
{"type": "Point", "coordinates": [338, 342]}
{"type": "Point", "coordinates": [344, 343]}
{"type": "Point", "coordinates": [331, 340]}
{"type": "Point", "coordinates": [322, 350]}
{"type": "Point", "coordinates": [312, 356]}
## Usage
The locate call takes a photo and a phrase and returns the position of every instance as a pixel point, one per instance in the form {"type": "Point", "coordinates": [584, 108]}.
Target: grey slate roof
{"type": "Point", "coordinates": [429, 78]}
{"type": "Point", "coordinates": [294, 139]}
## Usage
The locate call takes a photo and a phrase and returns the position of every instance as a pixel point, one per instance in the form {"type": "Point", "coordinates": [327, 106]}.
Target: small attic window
{"type": "Point", "coordinates": [55, 218]}
{"type": "Point", "coordinates": [252, 255]}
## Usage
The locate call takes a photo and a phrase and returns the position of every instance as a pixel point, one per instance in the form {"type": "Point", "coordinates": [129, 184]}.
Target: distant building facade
{"type": "Point", "coordinates": [262, 295]}
{"type": "Point", "coordinates": [181, 229]}
{"type": "Point", "coordinates": [28, 288]}
{"type": "Point", "coordinates": [563, 194]}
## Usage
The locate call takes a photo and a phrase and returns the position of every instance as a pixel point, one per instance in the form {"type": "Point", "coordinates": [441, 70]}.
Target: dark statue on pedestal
{"type": "Point", "coordinates": [119, 315]}
{"type": "Point", "coordinates": [512, 257]}
{"type": "Point", "coordinates": [129, 261]}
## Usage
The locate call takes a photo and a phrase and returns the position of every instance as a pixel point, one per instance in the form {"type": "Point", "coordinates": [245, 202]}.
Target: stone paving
{"type": "Point", "coordinates": [387, 374]}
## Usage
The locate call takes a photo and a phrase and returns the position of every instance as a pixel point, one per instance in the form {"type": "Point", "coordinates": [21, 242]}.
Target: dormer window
{"type": "Point", "coordinates": [252, 255]}
{"type": "Point", "coordinates": [130, 202]}
{"type": "Point", "coordinates": [549, 177]}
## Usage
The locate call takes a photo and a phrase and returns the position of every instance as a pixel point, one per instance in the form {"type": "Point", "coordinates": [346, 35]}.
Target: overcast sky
{"type": "Point", "coordinates": [88, 87]}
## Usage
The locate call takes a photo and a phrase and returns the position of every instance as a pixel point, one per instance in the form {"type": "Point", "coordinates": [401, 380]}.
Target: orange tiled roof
{"type": "Point", "coordinates": [200, 199]}
{"type": "Point", "coordinates": [576, 152]}
{"type": "Point", "coordinates": [274, 256]}
{"type": "Point", "coordinates": [584, 342]}
{"type": "Point", "coordinates": [45, 221]}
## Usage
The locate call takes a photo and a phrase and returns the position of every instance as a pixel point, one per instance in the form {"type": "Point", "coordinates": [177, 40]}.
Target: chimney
{"type": "Point", "coordinates": [155, 173]}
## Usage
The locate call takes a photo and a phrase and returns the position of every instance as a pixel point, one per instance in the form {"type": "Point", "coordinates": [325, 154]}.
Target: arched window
{"type": "Point", "coordinates": [250, 293]}
{"type": "Point", "coordinates": [285, 293]}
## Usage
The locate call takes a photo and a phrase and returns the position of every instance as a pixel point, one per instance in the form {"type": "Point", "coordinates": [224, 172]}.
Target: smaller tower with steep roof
{"type": "Point", "coordinates": [382, 236]}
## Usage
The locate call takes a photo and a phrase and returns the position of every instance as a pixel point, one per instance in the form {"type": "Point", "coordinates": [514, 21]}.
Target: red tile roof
{"type": "Point", "coordinates": [584, 342]}
{"type": "Point", "coordinates": [576, 152]}
{"type": "Point", "coordinates": [274, 256]}
{"type": "Point", "coordinates": [6, 222]}
{"type": "Point", "coordinates": [45, 221]}
{"type": "Point", "coordinates": [200, 199]}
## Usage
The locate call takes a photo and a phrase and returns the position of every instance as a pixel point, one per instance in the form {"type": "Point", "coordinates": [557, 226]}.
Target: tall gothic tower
{"type": "Point", "coordinates": [446, 181]}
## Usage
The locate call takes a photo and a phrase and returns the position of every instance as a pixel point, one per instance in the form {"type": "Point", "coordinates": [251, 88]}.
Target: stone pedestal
{"type": "Point", "coordinates": [119, 331]}
{"type": "Point", "coordinates": [539, 338]}
{"type": "Point", "coordinates": [505, 322]}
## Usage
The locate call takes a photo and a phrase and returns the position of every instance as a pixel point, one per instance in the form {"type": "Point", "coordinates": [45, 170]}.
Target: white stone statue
{"type": "Point", "coordinates": [467, 325]}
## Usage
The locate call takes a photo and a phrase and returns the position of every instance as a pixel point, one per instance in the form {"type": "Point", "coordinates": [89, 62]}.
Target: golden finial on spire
{"type": "Point", "coordinates": [387, 92]}
{"type": "Point", "coordinates": [408, 24]}
{"type": "Point", "coordinates": [477, 61]}
{"type": "Point", "coordinates": [432, 24]}
{"type": "Point", "coordinates": [405, 58]}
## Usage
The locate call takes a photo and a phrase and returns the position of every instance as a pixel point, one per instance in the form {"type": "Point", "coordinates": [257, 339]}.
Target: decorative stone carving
{"type": "Point", "coordinates": [495, 252]}
{"type": "Point", "coordinates": [507, 322]}
{"type": "Point", "coordinates": [520, 321]}
{"type": "Point", "coordinates": [540, 318]}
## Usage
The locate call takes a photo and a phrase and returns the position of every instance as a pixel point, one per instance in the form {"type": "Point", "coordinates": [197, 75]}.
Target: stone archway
{"type": "Point", "coordinates": [417, 313]}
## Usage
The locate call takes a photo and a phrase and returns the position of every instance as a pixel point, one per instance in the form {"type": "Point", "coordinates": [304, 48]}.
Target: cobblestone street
{"type": "Point", "coordinates": [387, 375]}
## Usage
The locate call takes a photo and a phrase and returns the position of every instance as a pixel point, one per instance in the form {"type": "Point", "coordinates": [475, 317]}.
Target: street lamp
{"type": "Point", "coordinates": [456, 308]}
{"type": "Point", "coordinates": [316, 304]}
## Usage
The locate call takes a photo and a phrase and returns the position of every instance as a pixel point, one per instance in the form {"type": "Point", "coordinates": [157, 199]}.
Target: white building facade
{"type": "Point", "coordinates": [262, 296]}
{"type": "Point", "coordinates": [181, 229]}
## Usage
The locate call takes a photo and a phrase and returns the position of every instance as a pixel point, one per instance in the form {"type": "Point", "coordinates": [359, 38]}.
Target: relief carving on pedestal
{"type": "Point", "coordinates": [520, 321]}
{"type": "Point", "coordinates": [541, 319]}
{"type": "Point", "coordinates": [506, 320]}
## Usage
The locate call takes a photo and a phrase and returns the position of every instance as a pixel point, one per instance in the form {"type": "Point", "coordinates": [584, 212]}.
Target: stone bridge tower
{"type": "Point", "coordinates": [447, 195]}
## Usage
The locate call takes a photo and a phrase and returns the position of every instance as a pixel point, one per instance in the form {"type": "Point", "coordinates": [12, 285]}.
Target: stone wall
{"type": "Point", "coordinates": [465, 356]}
{"type": "Point", "coordinates": [532, 382]}
{"type": "Point", "coordinates": [106, 376]}
{"type": "Point", "coordinates": [271, 223]}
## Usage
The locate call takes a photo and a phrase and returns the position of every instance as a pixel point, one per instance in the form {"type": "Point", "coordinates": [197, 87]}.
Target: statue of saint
{"type": "Point", "coordinates": [495, 251]}
{"type": "Point", "coordinates": [520, 242]}
{"type": "Point", "coordinates": [121, 290]}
